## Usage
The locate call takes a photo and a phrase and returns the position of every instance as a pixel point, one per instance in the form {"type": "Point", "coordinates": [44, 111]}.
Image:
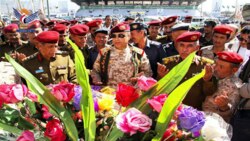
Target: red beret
{"type": "Point", "coordinates": [11, 28]}
{"type": "Point", "coordinates": [64, 23]}
{"type": "Point", "coordinates": [231, 57]}
{"type": "Point", "coordinates": [122, 27]}
{"type": "Point", "coordinates": [35, 24]}
{"type": "Point", "coordinates": [154, 23]}
{"type": "Point", "coordinates": [223, 29]}
{"type": "Point", "coordinates": [48, 37]}
{"type": "Point", "coordinates": [60, 28]}
{"type": "Point", "coordinates": [79, 29]}
{"type": "Point", "coordinates": [189, 36]}
{"type": "Point", "coordinates": [169, 20]}
{"type": "Point", "coordinates": [94, 23]}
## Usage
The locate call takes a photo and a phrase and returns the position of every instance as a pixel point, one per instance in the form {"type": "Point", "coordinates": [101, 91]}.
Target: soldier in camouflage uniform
{"type": "Point", "coordinates": [186, 44]}
{"type": "Point", "coordinates": [220, 37]}
{"type": "Point", "coordinates": [120, 62]}
{"type": "Point", "coordinates": [48, 65]}
{"type": "Point", "coordinates": [226, 98]}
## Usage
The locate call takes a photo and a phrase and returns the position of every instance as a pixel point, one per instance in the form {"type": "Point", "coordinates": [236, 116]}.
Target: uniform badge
{"type": "Point", "coordinates": [193, 38]}
{"type": "Point", "coordinates": [171, 19]}
{"type": "Point", "coordinates": [40, 70]}
{"type": "Point", "coordinates": [228, 32]}
{"type": "Point", "coordinates": [122, 27]}
{"type": "Point", "coordinates": [224, 57]}
{"type": "Point", "coordinates": [135, 26]}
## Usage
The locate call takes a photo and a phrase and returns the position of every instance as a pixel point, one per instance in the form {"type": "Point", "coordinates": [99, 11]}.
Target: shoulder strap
{"type": "Point", "coordinates": [104, 61]}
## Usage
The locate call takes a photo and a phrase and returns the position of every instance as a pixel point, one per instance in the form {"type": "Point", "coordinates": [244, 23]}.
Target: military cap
{"type": "Point", "coordinates": [180, 26]}
{"type": "Point", "coordinates": [94, 23]}
{"type": "Point", "coordinates": [11, 28]}
{"type": "Point", "coordinates": [154, 23]}
{"type": "Point", "coordinates": [122, 27]}
{"type": "Point", "coordinates": [60, 28]}
{"type": "Point", "coordinates": [138, 26]}
{"type": "Point", "coordinates": [73, 22]}
{"type": "Point", "coordinates": [35, 24]}
{"type": "Point", "coordinates": [231, 57]}
{"type": "Point", "coordinates": [223, 29]}
{"type": "Point", "coordinates": [129, 18]}
{"type": "Point", "coordinates": [210, 23]}
{"type": "Point", "coordinates": [66, 23]}
{"type": "Point", "coordinates": [169, 20]}
{"type": "Point", "coordinates": [102, 30]}
{"type": "Point", "coordinates": [48, 37]}
{"type": "Point", "coordinates": [79, 29]}
{"type": "Point", "coordinates": [189, 37]}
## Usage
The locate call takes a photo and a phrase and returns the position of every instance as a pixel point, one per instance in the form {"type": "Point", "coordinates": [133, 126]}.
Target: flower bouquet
{"type": "Point", "coordinates": [141, 112]}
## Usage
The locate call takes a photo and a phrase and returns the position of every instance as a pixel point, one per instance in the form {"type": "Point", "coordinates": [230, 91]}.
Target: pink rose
{"type": "Point", "coordinates": [26, 136]}
{"type": "Point", "coordinates": [32, 96]}
{"type": "Point", "coordinates": [46, 113]}
{"type": "Point", "coordinates": [13, 93]}
{"type": "Point", "coordinates": [63, 91]}
{"type": "Point", "coordinates": [132, 121]}
{"type": "Point", "coordinates": [145, 83]}
{"type": "Point", "coordinates": [157, 102]}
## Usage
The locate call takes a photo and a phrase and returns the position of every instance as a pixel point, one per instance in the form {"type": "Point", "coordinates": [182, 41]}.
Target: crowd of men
{"type": "Point", "coordinates": [120, 52]}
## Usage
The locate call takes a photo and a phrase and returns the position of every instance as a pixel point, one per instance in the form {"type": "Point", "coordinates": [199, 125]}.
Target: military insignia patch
{"type": "Point", "coordinates": [224, 57]}
{"type": "Point", "coordinates": [193, 38]}
{"type": "Point", "coordinates": [122, 27]}
{"type": "Point", "coordinates": [135, 26]}
{"type": "Point", "coordinates": [171, 19]}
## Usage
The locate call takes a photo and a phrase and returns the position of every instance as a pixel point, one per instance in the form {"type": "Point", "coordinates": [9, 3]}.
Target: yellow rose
{"type": "Point", "coordinates": [106, 103]}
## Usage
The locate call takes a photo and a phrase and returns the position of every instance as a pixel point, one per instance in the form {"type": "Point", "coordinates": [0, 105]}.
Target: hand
{"type": "Point", "coordinates": [98, 83]}
{"type": "Point", "coordinates": [208, 72]}
{"type": "Point", "coordinates": [21, 57]}
{"type": "Point", "coordinates": [134, 79]}
{"type": "Point", "coordinates": [161, 70]}
{"type": "Point", "coordinates": [222, 101]}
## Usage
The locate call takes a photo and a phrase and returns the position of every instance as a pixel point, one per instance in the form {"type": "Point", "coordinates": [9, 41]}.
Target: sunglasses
{"type": "Point", "coordinates": [117, 35]}
{"type": "Point", "coordinates": [242, 39]}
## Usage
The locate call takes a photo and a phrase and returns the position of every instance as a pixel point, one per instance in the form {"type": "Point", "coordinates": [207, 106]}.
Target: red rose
{"type": "Point", "coordinates": [54, 131]}
{"type": "Point", "coordinates": [63, 91]}
{"type": "Point", "coordinates": [46, 113]}
{"type": "Point", "coordinates": [26, 136]}
{"type": "Point", "coordinates": [126, 94]}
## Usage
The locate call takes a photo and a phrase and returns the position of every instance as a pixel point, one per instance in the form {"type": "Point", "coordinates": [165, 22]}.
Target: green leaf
{"type": "Point", "coordinates": [31, 105]}
{"type": "Point", "coordinates": [165, 85]}
{"type": "Point", "coordinates": [24, 124]}
{"type": "Point", "coordinates": [45, 97]}
{"type": "Point", "coordinates": [87, 104]}
{"type": "Point", "coordinates": [172, 103]}
{"type": "Point", "coordinates": [10, 129]}
{"type": "Point", "coordinates": [9, 116]}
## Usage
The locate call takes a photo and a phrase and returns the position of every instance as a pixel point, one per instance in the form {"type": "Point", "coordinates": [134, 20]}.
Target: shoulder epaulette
{"type": "Point", "coordinates": [202, 60]}
{"type": "Point", "coordinates": [171, 59]}
{"type": "Point", "coordinates": [207, 47]}
{"type": "Point", "coordinates": [155, 43]}
{"type": "Point", "coordinates": [138, 50]}
{"type": "Point", "coordinates": [161, 37]}
{"type": "Point", "coordinates": [104, 50]}
{"type": "Point", "coordinates": [30, 57]}
{"type": "Point", "coordinates": [60, 52]}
